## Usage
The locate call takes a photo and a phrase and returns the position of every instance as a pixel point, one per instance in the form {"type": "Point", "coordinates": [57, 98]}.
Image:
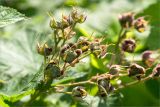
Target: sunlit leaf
{"type": "Point", "coordinates": [9, 16]}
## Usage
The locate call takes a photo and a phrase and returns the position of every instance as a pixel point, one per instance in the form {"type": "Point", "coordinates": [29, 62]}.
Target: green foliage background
{"type": "Point", "coordinates": [19, 61]}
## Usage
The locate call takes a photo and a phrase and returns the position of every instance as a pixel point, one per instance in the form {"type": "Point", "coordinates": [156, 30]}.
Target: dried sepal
{"type": "Point", "coordinates": [77, 16]}
{"type": "Point", "coordinates": [44, 49]}
{"type": "Point", "coordinates": [79, 92]}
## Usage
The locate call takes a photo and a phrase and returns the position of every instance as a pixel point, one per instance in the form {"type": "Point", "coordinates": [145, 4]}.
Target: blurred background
{"type": "Point", "coordinates": [19, 60]}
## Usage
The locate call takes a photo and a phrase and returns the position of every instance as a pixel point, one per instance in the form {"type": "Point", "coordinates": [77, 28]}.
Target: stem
{"type": "Point", "coordinates": [55, 43]}
{"type": "Point", "coordinates": [77, 83]}
{"type": "Point", "coordinates": [64, 39]}
{"type": "Point", "coordinates": [44, 61]}
{"type": "Point", "coordinates": [135, 82]}
{"type": "Point", "coordinates": [70, 93]}
{"type": "Point", "coordinates": [79, 59]}
{"type": "Point", "coordinates": [33, 98]}
{"type": "Point", "coordinates": [84, 56]}
{"type": "Point", "coordinates": [120, 36]}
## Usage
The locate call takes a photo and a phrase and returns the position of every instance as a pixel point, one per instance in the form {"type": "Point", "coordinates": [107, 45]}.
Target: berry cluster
{"type": "Point", "coordinates": [63, 54]}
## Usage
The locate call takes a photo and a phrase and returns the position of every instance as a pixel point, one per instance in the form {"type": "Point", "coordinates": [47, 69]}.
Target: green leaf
{"type": "Point", "coordinates": [9, 16]}
{"type": "Point", "coordinates": [71, 75]}
{"type": "Point", "coordinates": [98, 64]}
{"type": "Point", "coordinates": [2, 103]}
{"type": "Point", "coordinates": [152, 11]}
{"type": "Point", "coordinates": [19, 62]}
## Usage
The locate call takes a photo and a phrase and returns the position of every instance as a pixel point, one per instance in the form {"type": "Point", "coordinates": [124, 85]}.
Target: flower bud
{"type": "Point", "coordinates": [129, 45]}
{"type": "Point", "coordinates": [136, 70]}
{"type": "Point", "coordinates": [53, 23]}
{"type": "Point", "coordinates": [69, 33]}
{"type": "Point", "coordinates": [44, 49]}
{"type": "Point", "coordinates": [156, 71]}
{"type": "Point", "coordinates": [126, 20]}
{"type": "Point", "coordinates": [104, 87]}
{"type": "Point", "coordinates": [147, 58]}
{"type": "Point", "coordinates": [64, 23]}
{"type": "Point", "coordinates": [79, 92]}
{"type": "Point", "coordinates": [140, 24]}
{"type": "Point", "coordinates": [78, 17]}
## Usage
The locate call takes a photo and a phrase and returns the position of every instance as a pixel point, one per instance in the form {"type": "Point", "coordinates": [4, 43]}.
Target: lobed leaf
{"type": "Point", "coordinates": [9, 16]}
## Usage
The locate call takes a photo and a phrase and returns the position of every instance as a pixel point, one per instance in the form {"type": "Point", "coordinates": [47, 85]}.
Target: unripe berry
{"type": "Point", "coordinates": [79, 52]}
{"type": "Point", "coordinates": [147, 58]}
{"type": "Point", "coordinates": [69, 56]}
{"type": "Point", "coordinates": [156, 71]}
{"type": "Point", "coordinates": [129, 45]}
{"type": "Point", "coordinates": [140, 24]}
{"type": "Point", "coordinates": [104, 87]}
{"type": "Point", "coordinates": [51, 71]}
{"type": "Point", "coordinates": [114, 70]}
{"type": "Point", "coordinates": [136, 70]}
{"type": "Point", "coordinates": [126, 20]}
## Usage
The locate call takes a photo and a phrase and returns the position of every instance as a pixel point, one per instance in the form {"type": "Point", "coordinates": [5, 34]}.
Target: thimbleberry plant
{"type": "Point", "coordinates": [66, 50]}
{"type": "Point", "coordinates": [63, 54]}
